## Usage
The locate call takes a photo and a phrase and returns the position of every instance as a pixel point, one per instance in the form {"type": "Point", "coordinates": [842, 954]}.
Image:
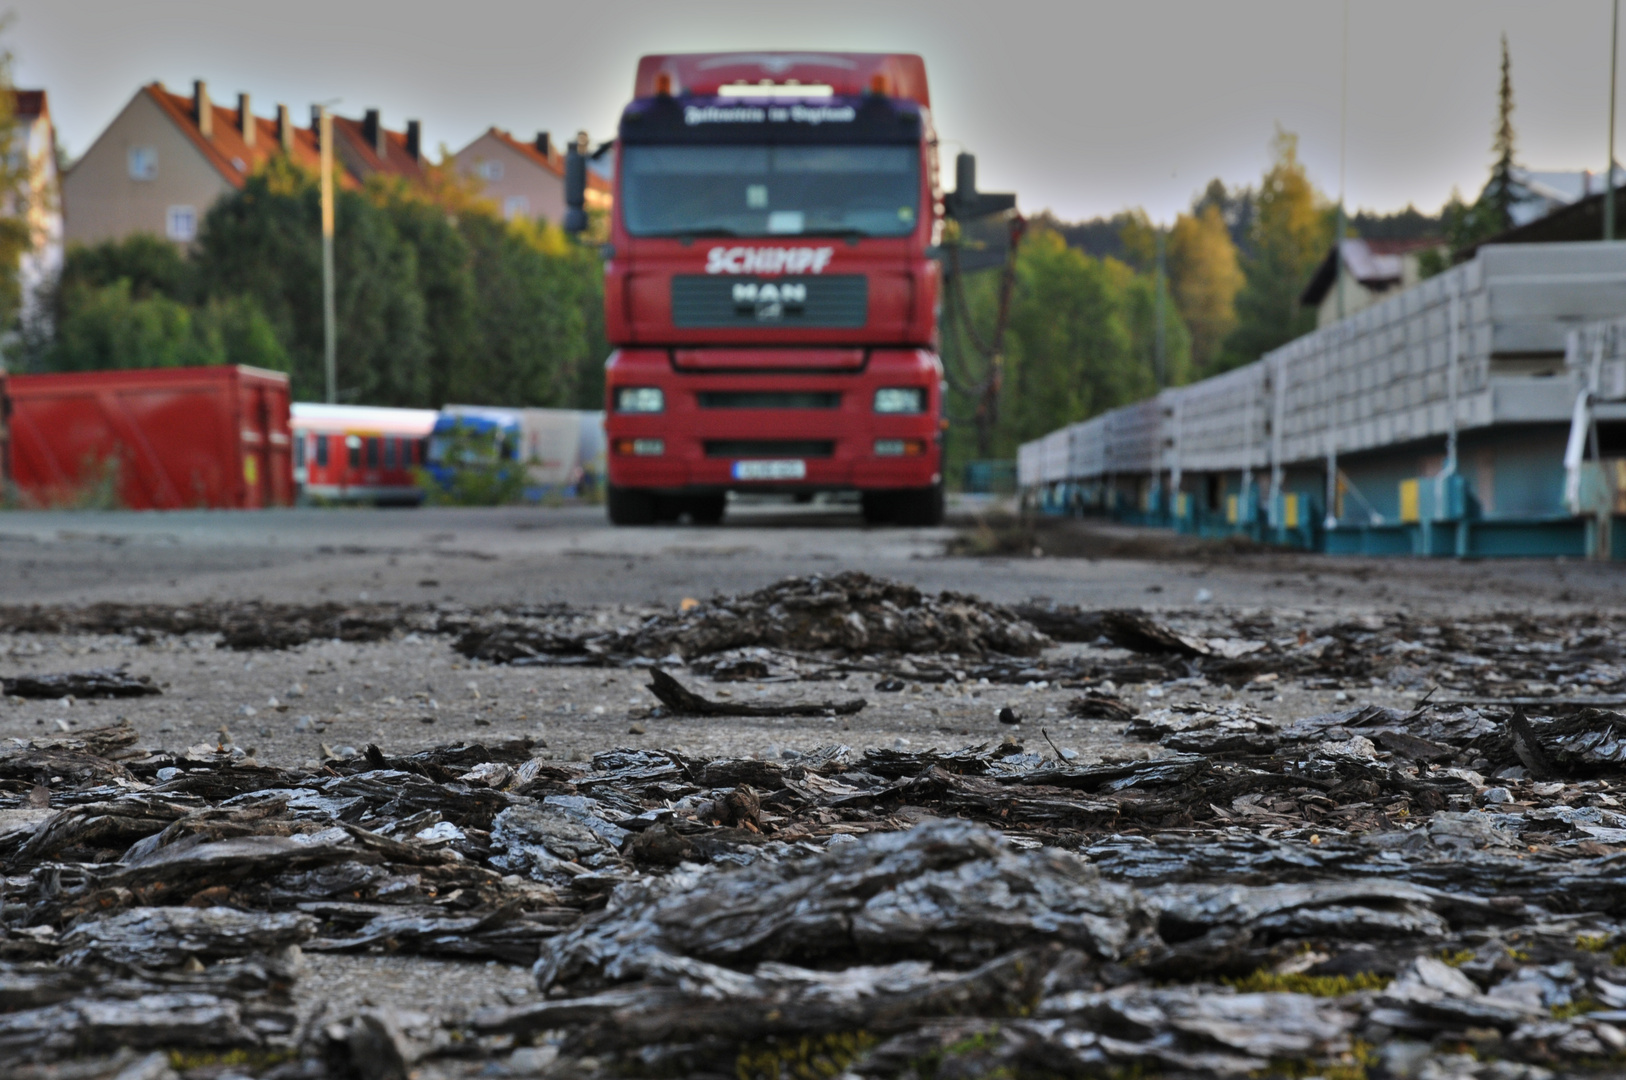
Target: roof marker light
{"type": "Point", "coordinates": [877, 84]}
{"type": "Point", "coordinates": [776, 90]}
{"type": "Point", "coordinates": [663, 84]}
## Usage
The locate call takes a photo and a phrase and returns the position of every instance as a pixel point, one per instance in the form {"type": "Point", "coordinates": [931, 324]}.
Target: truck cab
{"type": "Point", "coordinates": [770, 289]}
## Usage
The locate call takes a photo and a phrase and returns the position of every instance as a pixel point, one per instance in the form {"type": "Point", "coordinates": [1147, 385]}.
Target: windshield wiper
{"type": "Point", "coordinates": [851, 234]}
{"type": "Point", "coordinates": [694, 234]}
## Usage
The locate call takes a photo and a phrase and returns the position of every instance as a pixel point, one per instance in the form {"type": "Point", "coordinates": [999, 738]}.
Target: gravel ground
{"type": "Point", "coordinates": [413, 692]}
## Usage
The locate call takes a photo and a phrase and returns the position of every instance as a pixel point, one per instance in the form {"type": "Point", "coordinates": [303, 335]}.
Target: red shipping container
{"type": "Point", "coordinates": [179, 438]}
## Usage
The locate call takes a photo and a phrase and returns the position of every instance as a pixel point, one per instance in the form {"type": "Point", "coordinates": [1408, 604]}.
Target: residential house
{"type": "Point", "coordinates": [366, 148]}
{"type": "Point", "coordinates": [1371, 270]}
{"type": "Point", "coordinates": [39, 202]}
{"type": "Point", "coordinates": [165, 159]}
{"type": "Point", "coordinates": [525, 179]}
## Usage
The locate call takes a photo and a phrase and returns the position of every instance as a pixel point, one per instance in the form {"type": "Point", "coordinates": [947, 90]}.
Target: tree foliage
{"type": "Point", "coordinates": [1291, 232]}
{"type": "Point", "coordinates": [1204, 277]}
{"type": "Point", "coordinates": [438, 299]}
{"type": "Point", "coordinates": [1079, 342]}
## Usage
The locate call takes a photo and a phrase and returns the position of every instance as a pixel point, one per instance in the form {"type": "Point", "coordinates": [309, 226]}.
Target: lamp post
{"type": "Point", "coordinates": [1609, 170]}
{"type": "Point", "coordinates": [330, 361]}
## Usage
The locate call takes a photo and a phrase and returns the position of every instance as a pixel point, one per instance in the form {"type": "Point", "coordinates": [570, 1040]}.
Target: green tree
{"type": "Point", "coordinates": [1071, 352]}
{"type": "Point", "coordinates": [445, 279]}
{"type": "Point", "coordinates": [152, 266]}
{"type": "Point", "coordinates": [1291, 233]}
{"type": "Point", "coordinates": [1495, 206]}
{"type": "Point", "coordinates": [264, 241]}
{"type": "Point", "coordinates": [16, 190]}
{"type": "Point", "coordinates": [107, 327]}
{"type": "Point", "coordinates": [1204, 279]}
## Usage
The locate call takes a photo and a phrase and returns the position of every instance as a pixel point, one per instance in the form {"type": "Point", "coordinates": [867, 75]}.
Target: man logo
{"type": "Point", "coordinates": [769, 302]}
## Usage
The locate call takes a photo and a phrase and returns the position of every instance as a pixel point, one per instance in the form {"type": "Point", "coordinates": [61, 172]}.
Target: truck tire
{"type": "Point", "coordinates": [707, 509]}
{"type": "Point", "coordinates": [922, 507]}
{"type": "Point", "coordinates": [629, 506]}
{"type": "Point", "coordinates": [878, 507]}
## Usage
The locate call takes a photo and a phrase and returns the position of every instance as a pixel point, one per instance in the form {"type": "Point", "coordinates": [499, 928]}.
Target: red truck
{"type": "Point", "coordinates": [157, 439]}
{"type": "Point", "coordinates": [770, 286]}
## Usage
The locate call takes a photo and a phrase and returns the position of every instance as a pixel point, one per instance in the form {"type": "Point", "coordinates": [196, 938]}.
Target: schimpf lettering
{"type": "Point", "coordinates": [744, 260]}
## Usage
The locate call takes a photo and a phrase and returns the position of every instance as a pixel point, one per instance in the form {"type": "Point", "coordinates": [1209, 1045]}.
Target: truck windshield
{"type": "Point", "coordinates": [769, 190]}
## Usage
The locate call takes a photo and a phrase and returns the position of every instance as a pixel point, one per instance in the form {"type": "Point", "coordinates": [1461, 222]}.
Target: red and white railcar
{"type": "Point", "coordinates": [360, 453]}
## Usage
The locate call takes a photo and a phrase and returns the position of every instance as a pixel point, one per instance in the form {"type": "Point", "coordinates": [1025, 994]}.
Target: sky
{"type": "Point", "coordinates": [1081, 108]}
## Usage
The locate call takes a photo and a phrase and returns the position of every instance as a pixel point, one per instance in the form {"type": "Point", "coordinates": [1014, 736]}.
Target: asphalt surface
{"type": "Point", "coordinates": [534, 555]}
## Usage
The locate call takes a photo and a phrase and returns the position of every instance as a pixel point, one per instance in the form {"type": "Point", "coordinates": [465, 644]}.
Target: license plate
{"type": "Point", "coordinates": [770, 470]}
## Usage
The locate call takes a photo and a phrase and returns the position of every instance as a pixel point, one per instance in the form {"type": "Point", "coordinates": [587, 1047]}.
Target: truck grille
{"type": "Point", "coordinates": [707, 301]}
{"type": "Point", "coordinates": [770, 448]}
{"type": "Point", "coordinates": [769, 399]}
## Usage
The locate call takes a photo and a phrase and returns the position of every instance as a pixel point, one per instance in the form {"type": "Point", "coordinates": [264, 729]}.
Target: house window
{"type": "Point", "coordinates": [182, 224]}
{"type": "Point", "coordinates": [143, 163]}
{"type": "Point", "coordinates": [516, 206]}
{"type": "Point", "coordinates": [490, 170]}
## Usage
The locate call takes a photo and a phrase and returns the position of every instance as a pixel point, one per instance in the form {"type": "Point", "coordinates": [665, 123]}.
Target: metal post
{"type": "Point", "coordinates": [1453, 376]}
{"type": "Point", "coordinates": [1609, 182]}
{"type": "Point", "coordinates": [1160, 354]}
{"type": "Point", "coordinates": [1343, 116]}
{"type": "Point", "coordinates": [330, 345]}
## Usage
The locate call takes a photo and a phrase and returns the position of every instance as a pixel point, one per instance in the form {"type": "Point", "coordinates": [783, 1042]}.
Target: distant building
{"type": "Point", "coordinates": [525, 179]}
{"type": "Point", "coordinates": [366, 148]}
{"type": "Point", "coordinates": [165, 159]}
{"type": "Point", "coordinates": [1371, 270]}
{"type": "Point", "coordinates": [34, 141]}
{"type": "Point", "coordinates": [1537, 194]}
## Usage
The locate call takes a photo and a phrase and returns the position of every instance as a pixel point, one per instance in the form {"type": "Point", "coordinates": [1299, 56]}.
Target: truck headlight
{"type": "Point", "coordinates": [900, 399]}
{"type": "Point", "coordinates": [644, 399]}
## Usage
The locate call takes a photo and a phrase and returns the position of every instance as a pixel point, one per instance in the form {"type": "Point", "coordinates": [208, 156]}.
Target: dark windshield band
{"type": "Point", "coordinates": [773, 190]}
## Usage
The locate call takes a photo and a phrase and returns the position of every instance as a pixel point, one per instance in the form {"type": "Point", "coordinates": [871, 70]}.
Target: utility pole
{"type": "Point", "coordinates": [1609, 183]}
{"type": "Point", "coordinates": [330, 344]}
{"type": "Point", "coordinates": [1343, 127]}
{"type": "Point", "coordinates": [1160, 360]}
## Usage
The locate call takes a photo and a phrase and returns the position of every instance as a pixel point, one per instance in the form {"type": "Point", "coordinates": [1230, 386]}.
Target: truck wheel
{"type": "Point", "coordinates": [879, 507]}
{"type": "Point", "coordinates": [628, 506]}
{"type": "Point", "coordinates": [708, 509]}
{"type": "Point", "coordinates": [921, 506]}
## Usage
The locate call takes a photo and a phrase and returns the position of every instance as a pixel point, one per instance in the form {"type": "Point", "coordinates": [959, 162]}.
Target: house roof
{"type": "Point", "coordinates": [1376, 264]}
{"type": "Point", "coordinates": [528, 151]}
{"type": "Point", "coordinates": [224, 147]}
{"type": "Point", "coordinates": [555, 164]}
{"type": "Point", "coordinates": [1580, 220]}
{"type": "Point", "coordinates": [395, 161]}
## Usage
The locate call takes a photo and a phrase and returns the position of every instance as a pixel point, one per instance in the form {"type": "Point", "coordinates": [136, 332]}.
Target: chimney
{"type": "Point", "coordinates": [373, 131]}
{"type": "Point", "coordinates": [245, 120]}
{"type": "Point", "coordinates": [415, 140]}
{"type": "Point", "coordinates": [285, 129]}
{"type": "Point", "coordinates": [544, 145]}
{"type": "Point", "coordinates": [203, 113]}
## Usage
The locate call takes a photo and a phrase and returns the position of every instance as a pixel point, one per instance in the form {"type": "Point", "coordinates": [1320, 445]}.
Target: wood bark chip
{"type": "Point", "coordinates": [685, 702]}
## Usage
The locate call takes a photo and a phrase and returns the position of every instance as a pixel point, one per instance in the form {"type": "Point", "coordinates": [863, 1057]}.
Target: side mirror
{"type": "Point", "coordinates": [965, 202]}
{"type": "Point", "coordinates": [575, 190]}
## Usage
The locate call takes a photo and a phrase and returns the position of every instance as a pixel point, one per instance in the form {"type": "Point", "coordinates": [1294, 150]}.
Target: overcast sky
{"type": "Point", "coordinates": [1083, 108]}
